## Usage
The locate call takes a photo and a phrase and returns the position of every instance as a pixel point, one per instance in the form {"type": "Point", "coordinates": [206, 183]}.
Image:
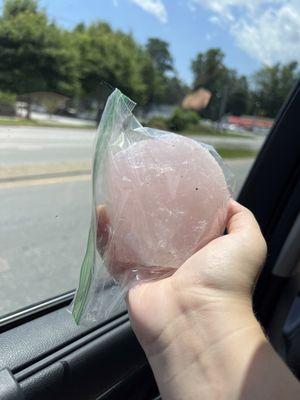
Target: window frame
{"type": "Point", "coordinates": [45, 346]}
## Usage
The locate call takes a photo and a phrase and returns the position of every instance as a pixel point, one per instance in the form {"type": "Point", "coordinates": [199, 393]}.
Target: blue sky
{"type": "Point", "coordinates": [250, 33]}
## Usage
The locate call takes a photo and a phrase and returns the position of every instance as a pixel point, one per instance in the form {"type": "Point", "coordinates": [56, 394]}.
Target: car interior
{"type": "Point", "coordinates": [45, 355]}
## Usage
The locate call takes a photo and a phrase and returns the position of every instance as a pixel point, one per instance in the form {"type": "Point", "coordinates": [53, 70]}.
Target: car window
{"type": "Point", "coordinates": [57, 65]}
{"type": "Point", "coordinates": [45, 211]}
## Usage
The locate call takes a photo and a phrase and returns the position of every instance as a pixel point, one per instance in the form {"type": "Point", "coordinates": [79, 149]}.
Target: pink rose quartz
{"type": "Point", "coordinates": [166, 198]}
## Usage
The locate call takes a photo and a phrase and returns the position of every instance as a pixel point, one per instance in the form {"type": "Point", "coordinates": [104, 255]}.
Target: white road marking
{"type": "Point", "coordinates": [4, 265]}
{"type": "Point", "coordinates": [29, 147]}
{"type": "Point", "coordinates": [44, 181]}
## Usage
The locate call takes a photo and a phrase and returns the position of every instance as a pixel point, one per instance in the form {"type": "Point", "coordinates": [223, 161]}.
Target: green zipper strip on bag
{"type": "Point", "coordinates": [86, 274]}
{"type": "Point", "coordinates": [116, 100]}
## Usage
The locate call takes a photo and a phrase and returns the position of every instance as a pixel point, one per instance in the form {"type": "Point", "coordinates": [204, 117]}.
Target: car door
{"type": "Point", "coordinates": [272, 192]}
{"type": "Point", "coordinates": [44, 355]}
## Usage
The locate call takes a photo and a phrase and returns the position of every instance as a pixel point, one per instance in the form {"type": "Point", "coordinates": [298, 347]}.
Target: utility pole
{"type": "Point", "coordinates": [223, 104]}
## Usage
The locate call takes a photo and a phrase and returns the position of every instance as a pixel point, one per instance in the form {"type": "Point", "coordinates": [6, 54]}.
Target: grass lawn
{"type": "Point", "coordinates": [236, 153]}
{"type": "Point", "coordinates": [198, 130]}
{"type": "Point", "coordinates": [203, 130]}
{"type": "Point", "coordinates": [31, 122]}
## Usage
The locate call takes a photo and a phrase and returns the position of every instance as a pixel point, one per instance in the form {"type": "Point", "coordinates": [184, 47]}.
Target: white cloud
{"type": "Point", "coordinates": [226, 9]}
{"type": "Point", "coordinates": [154, 7]}
{"type": "Point", "coordinates": [192, 6]}
{"type": "Point", "coordinates": [268, 30]}
{"type": "Point", "coordinates": [222, 8]}
{"type": "Point", "coordinates": [274, 36]}
{"type": "Point", "coordinates": [214, 19]}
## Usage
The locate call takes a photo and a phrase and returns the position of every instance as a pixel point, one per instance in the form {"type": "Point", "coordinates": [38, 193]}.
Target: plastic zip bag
{"type": "Point", "coordinates": [158, 197]}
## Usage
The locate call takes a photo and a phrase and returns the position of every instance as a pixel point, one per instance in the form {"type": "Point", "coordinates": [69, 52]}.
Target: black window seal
{"type": "Point", "coordinates": [34, 365]}
{"type": "Point", "coordinates": [25, 314]}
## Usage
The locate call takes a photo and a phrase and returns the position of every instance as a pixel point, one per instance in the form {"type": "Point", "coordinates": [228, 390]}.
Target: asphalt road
{"type": "Point", "coordinates": [43, 232]}
{"type": "Point", "coordinates": [44, 222]}
{"type": "Point", "coordinates": [27, 145]}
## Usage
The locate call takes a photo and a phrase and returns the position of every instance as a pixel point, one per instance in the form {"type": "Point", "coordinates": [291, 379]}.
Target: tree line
{"type": "Point", "coordinates": [38, 55]}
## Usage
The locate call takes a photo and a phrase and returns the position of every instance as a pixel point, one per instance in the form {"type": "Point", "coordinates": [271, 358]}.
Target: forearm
{"type": "Point", "coordinates": [220, 355]}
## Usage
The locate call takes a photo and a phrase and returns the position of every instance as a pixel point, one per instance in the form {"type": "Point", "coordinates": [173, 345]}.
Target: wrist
{"type": "Point", "coordinates": [203, 343]}
{"type": "Point", "coordinates": [207, 314]}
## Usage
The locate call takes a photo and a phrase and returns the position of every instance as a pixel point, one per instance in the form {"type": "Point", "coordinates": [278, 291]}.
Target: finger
{"type": "Point", "coordinates": [118, 270]}
{"type": "Point", "coordinates": [102, 228]}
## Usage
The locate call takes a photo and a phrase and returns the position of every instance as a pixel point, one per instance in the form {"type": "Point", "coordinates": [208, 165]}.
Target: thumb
{"type": "Point", "coordinates": [243, 225]}
{"type": "Point", "coordinates": [241, 220]}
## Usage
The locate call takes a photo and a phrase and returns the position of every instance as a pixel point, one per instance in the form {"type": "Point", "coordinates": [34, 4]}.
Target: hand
{"type": "Point", "coordinates": [197, 326]}
{"type": "Point", "coordinates": [222, 274]}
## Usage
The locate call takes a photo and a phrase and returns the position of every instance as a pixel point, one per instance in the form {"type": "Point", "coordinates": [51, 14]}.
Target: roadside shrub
{"type": "Point", "coordinates": [158, 123]}
{"type": "Point", "coordinates": [183, 119]}
{"type": "Point", "coordinates": [8, 98]}
{"type": "Point", "coordinates": [7, 104]}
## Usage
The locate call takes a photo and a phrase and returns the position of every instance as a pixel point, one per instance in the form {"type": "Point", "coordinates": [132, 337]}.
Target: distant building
{"type": "Point", "coordinates": [251, 123]}
{"type": "Point", "coordinates": [157, 110]}
{"type": "Point", "coordinates": [197, 100]}
{"type": "Point", "coordinates": [7, 109]}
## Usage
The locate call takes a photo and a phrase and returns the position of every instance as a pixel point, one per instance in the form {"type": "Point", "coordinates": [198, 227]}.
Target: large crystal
{"type": "Point", "coordinates": [166, 198]}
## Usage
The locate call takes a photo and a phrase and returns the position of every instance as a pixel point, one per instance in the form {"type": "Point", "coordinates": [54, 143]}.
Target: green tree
{"type": "Point", "coordinates": [154, 82]}
{"type": "Point", "coordinates": [35, 54]}
{"type": "Point", "coordinates": [230, 92]}
{"type": "Point", "coordinates": [12, 8]}
{"type": "Point", "coordinates": [175, 90]}
{"type": "Point", "coordinates": [209, 70]}
{"type": "Point", "coordinates": [210, 73]}
{"type": "Point", "coordinates": [160, 55]}
{"type": "Point", "coordinates": [272, 85]}
{"type": "Point", "coordinates": [238, 96]}
{"type": "Point", "coordinates": [113, 57]}
{"type": "Point", "coordinates": [165, 87]}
